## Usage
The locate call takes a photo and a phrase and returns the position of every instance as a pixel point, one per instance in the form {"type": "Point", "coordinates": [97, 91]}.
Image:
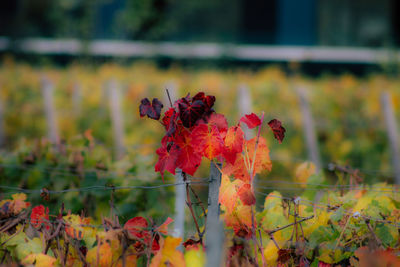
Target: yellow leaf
{"type": "Point", "coordinates": [39, 260]}
{"type": "Point", "coordinates": [303, 171]}
{"type": "Point", "coordinates": [168, 255]}
{"type": "Point", "coordinates": [195, 257]}
{"type": "Point", "coordinates": [321, 218]}
{"type": "Point", "coordinates": [271, 253]}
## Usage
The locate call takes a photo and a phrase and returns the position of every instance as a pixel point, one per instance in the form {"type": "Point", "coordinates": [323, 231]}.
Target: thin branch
{"type": "Point", "coordinates": [378, 241]}
{"type": "Point", "coordinates": [169, 97]}
{"type": "Point", "coordinates": [189, 203]}
{"type": "Point", "coordinates": [201, 205]}
{"type": "Point", "coordinates": [286, 226]}
{"type": "Point", "coordinates": [341, 234]}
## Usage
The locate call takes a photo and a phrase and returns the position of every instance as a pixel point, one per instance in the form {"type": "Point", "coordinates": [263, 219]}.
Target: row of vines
{"type": "Point", "coordinates": [347, 112]}
{"type": "Point", "coordinates": [74, 204]}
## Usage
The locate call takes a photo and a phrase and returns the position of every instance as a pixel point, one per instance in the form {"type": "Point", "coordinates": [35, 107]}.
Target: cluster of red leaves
{"type": "Point", "coordinates": [144, 235]}
{"type": "Point", "coordinates": [194, 130]}
{"type": "Point", "coordinates": [40, 217]}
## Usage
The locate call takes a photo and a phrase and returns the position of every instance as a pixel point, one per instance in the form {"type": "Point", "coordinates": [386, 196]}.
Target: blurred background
{"type": "Point", "coordinates": [73, 73]}
{"type": "Point", "coordinates": [279, 22]}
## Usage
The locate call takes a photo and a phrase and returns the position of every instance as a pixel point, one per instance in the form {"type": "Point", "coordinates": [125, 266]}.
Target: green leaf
{"type": "Point", "coordinates": [385, 233]}
{"type": "Point", "coordinates": [321, 234]}
{"type": "Point", "coordinates": [338, 214]}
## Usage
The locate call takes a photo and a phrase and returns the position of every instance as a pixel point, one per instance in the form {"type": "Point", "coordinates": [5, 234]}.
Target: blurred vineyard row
{"type": "Point", "coordinates": [349, 123]}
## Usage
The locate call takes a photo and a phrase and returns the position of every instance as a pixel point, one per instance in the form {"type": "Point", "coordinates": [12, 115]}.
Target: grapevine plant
{"type": "Point", "coordinates": [354, 225]}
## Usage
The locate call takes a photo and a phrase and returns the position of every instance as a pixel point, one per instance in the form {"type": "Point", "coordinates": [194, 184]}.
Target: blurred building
{"type": "Point", "coordinates": [371, 23]}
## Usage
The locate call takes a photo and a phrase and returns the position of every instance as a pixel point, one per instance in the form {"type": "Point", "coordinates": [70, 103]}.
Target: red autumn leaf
{"type": "Point", "coordinates": [40, 216]}
{"type": "Point", "coordinates": [166, 120]}
{"type": "Point", "coordinates": [246, 195]}
{"type": "Point", "coordinates": [251, 120]}
{"type": "Point", "coordinates": [188, 157]}
{"type": "Point", "coordinates": [233, 143]}
{"type": "Point", "coordinates": [190, 111]}
{"type": "Point", "coordinates": [167, 156]}
{"type": "Point", "coordinates": [219, 121]}
{"type": "Point", "coordinates": [277, 129]}
{"type": "Point", "coordinates": [155, 246]}
{"type": "Point", "coordinates": [207, 140]}
{"type": "Point", "coordinates": [207, 100]}
{"type": "Point", "coordinates": [137, 228]}
{"type": "Point", "coordinates": [152, 110]}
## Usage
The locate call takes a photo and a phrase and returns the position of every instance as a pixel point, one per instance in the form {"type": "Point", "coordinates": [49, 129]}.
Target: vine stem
{"type": "Point", "coordinates": [341, 234]}
{"type": "Point", "coordinates": [288, 225]}
{"type": "Point", "coordinates": [201, 205]}
{"type": "Point", "coordinates": [189, 203]}
{"type": "Point", "coordinates": [169, 97]}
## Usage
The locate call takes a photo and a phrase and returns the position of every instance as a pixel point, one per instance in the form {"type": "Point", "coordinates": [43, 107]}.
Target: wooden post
{"type": "Point", "coordinates": [215, 242]}
{"type": "Point", "coordinates": [214, 228]}
{"type": "Point", "coordinates": [52, 127]}
{"type": "Point", "coordinates": [245, 107]}
{"type": "Point", "coordinates": [116, 118]}
{"type": "Point", "coordinates": [77, 98]}
{"type": "Point", "coordinates": [309, 129]}
{"type": "Point", "coordinates": [213, 195]}
{"type": "Point", "coordinates": [180, 200]}
{"type": "Point", "coordinates": [390, 120]}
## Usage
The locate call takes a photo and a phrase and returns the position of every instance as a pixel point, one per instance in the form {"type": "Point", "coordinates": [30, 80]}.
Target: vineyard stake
{"type": "Point", "coordinates": [391, 126]}
{"type": "Point", "coordinates": [213, 202]}
{"type": "Point", "coordinates": [179, 224]}
{"type": "Point", "coordinates": [116, 118]}
{"type": "Point", "coordinates": [77, 98]}
{"type": "Point", "coordinates": [47, 92]}
{"type": "Point", "coordinates": [214, 227]}
{"type": "Point", "coordinates": [245, 106]}
{"type": "Point", "coordinates": [215, 242]}
{"type": "Point", "coordinates": [309, 128]}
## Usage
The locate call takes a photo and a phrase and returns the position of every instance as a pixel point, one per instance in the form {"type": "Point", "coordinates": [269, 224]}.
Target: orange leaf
{"type": "Point", "coordinates": [233, 143]}
{"type": "Point", "coordinates": [18, 203]}
{"type": "Point", "coordinates": [207, 140]}
{"type": "Point", "coordinates": [240, 221]}
{"type": "Point", "coordinates": [163, 228]}
{"type": "Point", "coordinates": [227, 193]}
{"type": "Point", "coordinates": [100, 255]}
{"type": "Point", "coordinates": [168, 255]}
{"type": "Point", "coordinates": [262, 161]}
{"type": "Point", "coordinates": [240, 170]}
